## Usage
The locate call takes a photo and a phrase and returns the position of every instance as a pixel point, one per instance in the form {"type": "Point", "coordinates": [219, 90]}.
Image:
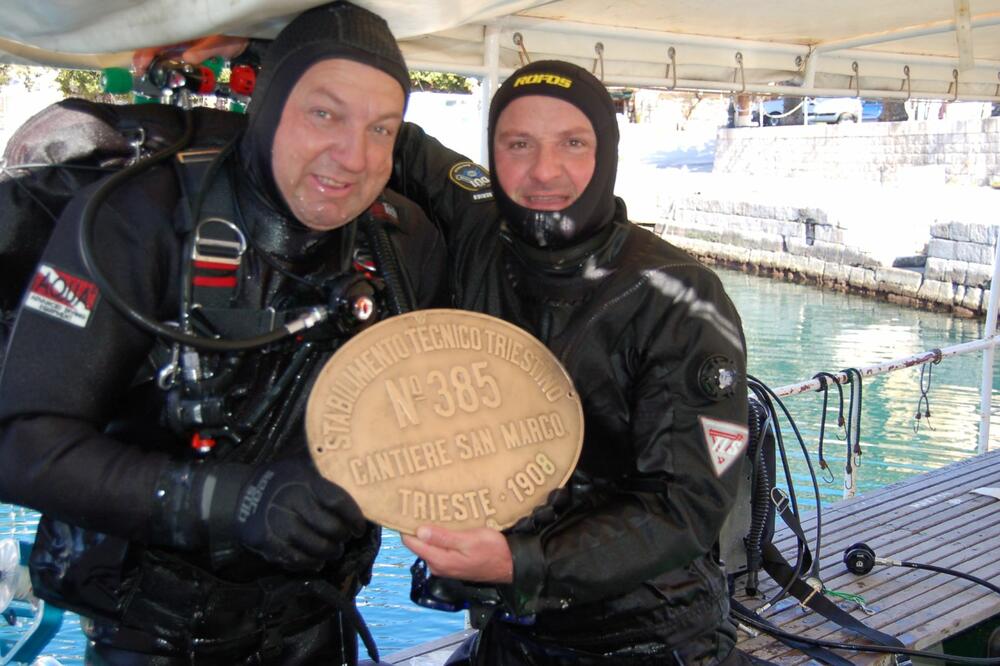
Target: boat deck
{"type": "Point", "coordinates": [934, 518]}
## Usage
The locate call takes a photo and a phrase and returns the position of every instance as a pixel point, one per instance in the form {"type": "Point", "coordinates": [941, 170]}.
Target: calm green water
{"type": "Point", "coordinates": [792, 332]}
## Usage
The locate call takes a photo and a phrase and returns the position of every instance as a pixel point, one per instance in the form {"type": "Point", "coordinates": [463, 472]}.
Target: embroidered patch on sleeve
{"type": "Point", "coordinates": [726, 442]}
{"type": "Point", "coordinates": [59, 294]}
{"type": "Point", "coordinates": [472, 177]}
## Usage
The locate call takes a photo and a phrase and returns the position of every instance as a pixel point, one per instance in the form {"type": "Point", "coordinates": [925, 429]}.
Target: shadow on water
{"type": "Point", "coordinates": [792, 332]}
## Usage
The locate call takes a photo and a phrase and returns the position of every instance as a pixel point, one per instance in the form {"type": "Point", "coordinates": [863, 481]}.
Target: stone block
{"type": "Point", "coordinates": [945, 270]}
{"type": "Point", "coordinates": [815, 267]}
{"type": "Point", "coordinates": [941, 248]}
{"type": "Point", "coordinates": [940, 230]}
{"type": "Point", "coordinates": [898, 280]}
{"type": "Point", "coordinates": [837, 273]}
{"type": "Point", "coordinates": [856, 276]}
{"type": "Point", "coordinates": [829, 252]}
{"type": "Point", "coordinates": [732, 253]}
{"type": "Point", "coordinates": [855, 257]}
{"type": "Point", "coordinates": [974, 253]}
{"type": "Point", "coordinates": [795, 263]}
{"type": "Point", "coordinates": [980, 233]}
{"type": "Point", "coordinates": [978, 275]}
{"type": "Point", "coordinates": [958, 231]}
{"type": "Point", "coordinates": [797, 246]}
{"type": "Point", "coordinates": [936, 291]}
{"type": "Point", "coordinates": [757, 240]}
{"type": "Point", "coordinates": [973, 299]}
{"type": "Point", "coordinates": [829, 234]}
{"type": "Point", "coordinates": [761, 258]}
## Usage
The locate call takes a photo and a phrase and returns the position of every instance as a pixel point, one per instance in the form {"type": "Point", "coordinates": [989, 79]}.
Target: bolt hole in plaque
{"type": "Point", "coordinates": [445, 417]}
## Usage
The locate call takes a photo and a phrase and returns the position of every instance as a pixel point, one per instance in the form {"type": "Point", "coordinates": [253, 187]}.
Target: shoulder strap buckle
{"type": "Point", "coordinates": [218, 240]}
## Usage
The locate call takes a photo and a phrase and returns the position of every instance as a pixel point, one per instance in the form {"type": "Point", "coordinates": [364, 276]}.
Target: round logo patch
{"type": "Point", "coordinates": [470, 176]}
{"type": "Point", "coordinates": [717, 377]}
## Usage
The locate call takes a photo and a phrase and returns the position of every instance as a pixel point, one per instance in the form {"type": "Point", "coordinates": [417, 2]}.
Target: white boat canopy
{"type": "Point", "coordinates": [941, 49]}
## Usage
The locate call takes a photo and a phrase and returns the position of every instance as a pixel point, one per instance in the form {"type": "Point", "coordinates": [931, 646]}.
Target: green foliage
{"type": "Point", "coordinates": [439, 82]}
{"type": "Point", "coordinates": [28, 76]}
{"type": "Point", "coordinates": [84, 83]}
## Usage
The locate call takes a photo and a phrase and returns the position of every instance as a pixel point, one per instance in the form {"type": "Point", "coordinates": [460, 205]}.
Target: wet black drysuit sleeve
{"type": "Point", "coordinates": [429, 173]}
{"type": "Point", "coordinates": [667, 513]}
{"type": "Point", "coordinates": [64, 381]}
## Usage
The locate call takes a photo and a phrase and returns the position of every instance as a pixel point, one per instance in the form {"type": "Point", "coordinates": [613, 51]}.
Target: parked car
{"type": "Point", "coordinates": [827, 110]}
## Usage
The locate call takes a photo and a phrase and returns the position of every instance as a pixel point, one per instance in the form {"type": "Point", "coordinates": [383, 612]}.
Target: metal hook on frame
{"type": "Point", "coordinates": [743, 81]}
{"type": "Point", "coordinates": [599, 50]}
{"type": "Point", "coordinates": [522, 53]}
{"type": "Point", "coordinates": [906, 82]}
{"type": "Point", "coordinates": [857, 78]}
{"type": "Point", "coordinates": [954, 76]}
{"type": "Point", "coordinates": [997, 93]}
{"type": "Point", "coordinates": [672, 68]}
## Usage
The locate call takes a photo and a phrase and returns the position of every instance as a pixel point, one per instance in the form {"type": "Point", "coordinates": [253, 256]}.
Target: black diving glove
{"type": "Point", "coordinates": [283, 511]}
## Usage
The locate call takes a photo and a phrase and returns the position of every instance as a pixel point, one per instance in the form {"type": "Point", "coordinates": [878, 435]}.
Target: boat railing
{"type": "Point", "coordinates": [986, 344]}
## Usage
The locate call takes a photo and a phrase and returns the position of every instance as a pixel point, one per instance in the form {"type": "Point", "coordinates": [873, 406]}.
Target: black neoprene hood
{"type": "Point", "coordinates": [336, 30]}
{"type": "Point", "coordinates": [595, 207]}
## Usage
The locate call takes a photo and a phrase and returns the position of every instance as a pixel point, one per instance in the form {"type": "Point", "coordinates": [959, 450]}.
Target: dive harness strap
{"type": "Point", "coordinates": [818, 653]}
{"type": "Point", "coordinates": [781, 571]}
{"type": "Point", "coordinates": [215, 244]}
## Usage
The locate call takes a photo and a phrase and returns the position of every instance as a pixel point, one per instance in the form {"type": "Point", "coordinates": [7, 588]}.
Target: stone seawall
{"type": "Point", "coordinates": [930, 250]}
{"type": "Point", "coordinates": [965, 152]}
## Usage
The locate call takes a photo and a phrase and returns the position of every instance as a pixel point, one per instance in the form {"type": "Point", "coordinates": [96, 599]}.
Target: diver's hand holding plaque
{"type": "Point", "coordinates": [447, 417]}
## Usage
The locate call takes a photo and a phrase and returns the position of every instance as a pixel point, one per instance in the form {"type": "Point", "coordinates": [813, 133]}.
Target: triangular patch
{"type": "Point", "coordinates": [726, 442]}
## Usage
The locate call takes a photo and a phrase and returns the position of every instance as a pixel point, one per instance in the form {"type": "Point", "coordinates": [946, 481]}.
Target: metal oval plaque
{"type": "Point", "coordinates": [445, 417]}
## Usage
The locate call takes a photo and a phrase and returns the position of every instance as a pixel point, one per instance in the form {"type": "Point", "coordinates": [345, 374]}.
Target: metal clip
{"type": "Point", "coordinates": [743, 81]}
{"type": "Point", "coordinates": [167, 376]}
{"type": "Point", "coordinates": [136, 139]}
{"type": "Point", "coordinates": [827, 470]}
{"type": "Point", "coordinates": [997, 92]}
{"type": "Point", "coordinates": [906, 82]}
{"type": "Point", "coordinates": [954, 75]}
{"type": "Point", "coordinates": [522, 53]}
{"type": "Point", "coordinates": [817, 587]}
{"type": "Point", "coordinates": [217, 249]}
{"type": "Point", "coordinates": [599, 50]}
{"type": "Point", "coordinates": [672, 69]}
{"type": "Point", "coordinates": [780, 499]}
{"type": "Point", "coordinates": [857, 78]}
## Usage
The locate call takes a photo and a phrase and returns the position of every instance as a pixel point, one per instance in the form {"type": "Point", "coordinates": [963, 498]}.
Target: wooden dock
{"type": "Point", "coordinates": [933, 518]}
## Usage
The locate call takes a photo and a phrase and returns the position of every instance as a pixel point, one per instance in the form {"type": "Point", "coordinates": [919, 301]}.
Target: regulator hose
{"type": "Point", "coordinates": [86, 243]}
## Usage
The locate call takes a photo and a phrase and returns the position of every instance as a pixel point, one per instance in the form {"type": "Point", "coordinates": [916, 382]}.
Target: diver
{"type": "Point", "coordinates": [182, 515]}
{"type": "Point", "coordinates": [618, 566]}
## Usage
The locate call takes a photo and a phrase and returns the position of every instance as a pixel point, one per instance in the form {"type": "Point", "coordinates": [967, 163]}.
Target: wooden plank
{"type": "Point", "coordinates": [933, 518]}
{"type": "Point", "coordinates": [921, 611]}
{"type": "Point", "coordinates": [933, 488]}
{"type": "Point", "coordinates": [431, 653]}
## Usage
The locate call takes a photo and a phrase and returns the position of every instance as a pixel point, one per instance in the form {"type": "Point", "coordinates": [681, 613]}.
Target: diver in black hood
{"type": "Point", "coordinates": [183, 517]}
{"type": "Point", "coordinates": [617, 568]}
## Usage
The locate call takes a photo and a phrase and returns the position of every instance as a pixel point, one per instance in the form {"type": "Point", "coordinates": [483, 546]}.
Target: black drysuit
{"type": "Point", "coordinates": [620, 563]}
{"type": "Point", "coordinates": [83, 437]}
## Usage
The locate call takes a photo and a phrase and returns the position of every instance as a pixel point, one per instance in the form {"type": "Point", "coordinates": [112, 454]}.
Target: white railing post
{"type": "Point", "coordinates": [491, 80]}
{"type": "Point", "coordinates": [986, 390]}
